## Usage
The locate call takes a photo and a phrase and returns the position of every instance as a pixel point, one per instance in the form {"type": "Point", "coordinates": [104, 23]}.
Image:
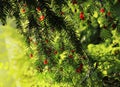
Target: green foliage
{"type": "Point", "coordinates": [69, 43]}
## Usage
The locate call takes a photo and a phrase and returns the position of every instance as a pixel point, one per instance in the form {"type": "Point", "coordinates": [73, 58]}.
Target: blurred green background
{"type": "Point", "coordinates": [9, 48]}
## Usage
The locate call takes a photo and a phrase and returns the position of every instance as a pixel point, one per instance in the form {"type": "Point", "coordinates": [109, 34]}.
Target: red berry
{"type": "Point", "coordinates": [31, 55]}
{"type": "Point", "coordinates": [55, 52]}
{"type": "Point", "coordinates": [38, 9]}
{"type": "Point", "coordinates": [109, 14]}
{"type": "Point", "coordinates": [82, 16]}
{"type": "Point", "coordinates": [78, 70]}
{"type": "Point", "coordinates": [70, 56]}
{"type": "Point", "coordinates": [102, 10]}
{"type": "Point", "coordinates": [23, 10]}
{"type": "Point", "coordinates": [62, 13]}
{"type": "Point", "coordinates": [74, 2]}
{"type": "Point", "coordinates": [72, 51]}
{"type": "Point", "coordinates": [45, 61]}
{"type": "Point", "coordinates": [81, 66]}
{"type": "Point", "coordinates": [46, 40]}
{"type": "Point", "coordinates": [41, 18]}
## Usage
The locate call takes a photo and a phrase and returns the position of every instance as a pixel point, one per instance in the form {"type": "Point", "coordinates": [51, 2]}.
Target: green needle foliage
{"type": "Point", "coordinates": [74, 43]}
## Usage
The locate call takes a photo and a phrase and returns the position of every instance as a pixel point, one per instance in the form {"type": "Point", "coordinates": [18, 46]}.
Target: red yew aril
{"type": "Point", "coordinates": [79, 69]}
{"type": "Point", "coordinates": [109, 14]}
{"type": "Point", "coordinates": [72, 51]}
{"type": "Point", "coordinates": [23, 10]}
{"type": "Point", "coordinates": [41, 18]}
{"type": "Point", "coordinates": [82, 16]}
{"type": "Point", "coordinates": [38, 9]}
{"type": "Point", "coordinates": [81, 66]}
{"type": "Point", "coordinates": [55, 52]}
{"type": "Point", "coordinates": [45, 61]}
{"type": "Point", "coordinates": [62, 13]}
{"type": "Point", "coordinates": [74, 2]}
{"type": "Point", "coordinates": [102, 10]}
{"type": "Point", "coordinates": [46, 40]}
{"type": "Point", "coordinates": [70, 56]}
{"type": "Point", "coordinates": [31, 55]}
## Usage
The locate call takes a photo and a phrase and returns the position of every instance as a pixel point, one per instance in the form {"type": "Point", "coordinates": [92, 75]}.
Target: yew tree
{"type": "Point", "coordinates": [74, 40]}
